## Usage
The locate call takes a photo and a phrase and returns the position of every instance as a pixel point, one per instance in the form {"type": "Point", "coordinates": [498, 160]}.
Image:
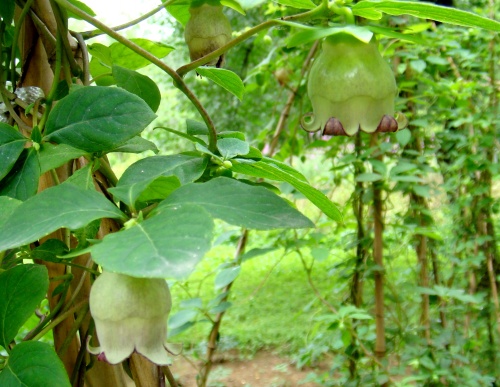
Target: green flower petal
{"type": "Point", "coordinates": [351, 82]}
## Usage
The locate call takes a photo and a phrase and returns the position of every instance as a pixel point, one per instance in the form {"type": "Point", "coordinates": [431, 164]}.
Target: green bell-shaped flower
{"type": "Point", "coordinates": [130, 315]}
{"type": "Point", "coordinates": [351, 87]}
{"type": "Point", "coordinates": [207, 30]}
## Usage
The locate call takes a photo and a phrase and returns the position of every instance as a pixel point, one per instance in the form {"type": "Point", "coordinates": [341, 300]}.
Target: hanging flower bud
{"type": "Point", "coordinates": [351, 87]}
{"type": "Point", "coordinates": [130, 315]}
{"type": "Point", "coordinates": [207, 30]}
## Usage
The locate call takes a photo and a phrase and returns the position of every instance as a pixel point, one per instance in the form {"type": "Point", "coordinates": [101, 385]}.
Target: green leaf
{"type": "Point", "coordinates": [101, 73]}
{"type": "Point", "coordinates": [166, 245]}
{"type": "Point", "coordinates": [182, 317]}
{"type": "Point", "coordinates": [52, 156]}
{"type": "Point", "coordinates": [369, 8]}
{"type": "Point", "coordinates": [269, 171]}
{"type": "Point", "coordinates": [422, 190]}
{"type": "Point", "coordinates": [139, 85]}
{"type": "Point", "coordinates": [238, 203]}
{"type": "Point", "coordinates": [62, 206]}
{"type": "Point", "coordinates": [82, 178]}
{"type": "Point", "coordinates": [222, 307]}
{"type": "Point", "coordinates": [368, 177]}
{"type": "Point", "coordinates": [232, 147]}
{"type": "Point", "coordinates": [22, 288]}
{"type": "Point", "coordinates": [300, 4]}
{"type": "Point", "coordinates": [7, 10]}
{"type": "Point", "coordinates": [50, 250]}
{"type": "Point", "coordinates": [98, 118]}
{"type": "Point", "coordinates": [8, 205]}
{"type": "Point", "coordinates": [225, 79]}
{"type": "Point", "coordinates": [83, 7]}
{"type": "Point", "coordinates": [137, 144]}
{"type": "Point", "coordinates": [196, 128]}
{"type": "Point", "coordinates": [255, 253]}
{"type": "Point", "coordinates": [180, 11]}
{"type": "Point", "coordinates": [403, 137]}
{"type": "Point", "coordinates": [407, 178]}
{"type": "Point", "coordinates": [146, 191]}
{"type": "Point", "coordinates": [22, 180]}
{"type": "Point", "coordinates": [188, 137]}
{"type": "Point", "coordinates": [186, 167]}
{"type": "Point", "coordinates": [234, 5]}
{"type": "Point", "coordinates": [389, 32]}
{"type": "Point", "coordinates": [34, 364]}
{"type": "Point", "coordinates": [309, 35]}
{"type": "Point", "coordinates": [11, 145]}
{"type": "Point", "coordinates": [320, 254]}
{"type": "Point", "coordinates": [226, 276]}
{"type": "Point", "coordinates": [121, 55]}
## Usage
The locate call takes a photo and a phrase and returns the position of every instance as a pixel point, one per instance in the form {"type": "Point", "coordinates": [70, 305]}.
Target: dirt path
{"type": "Point", "coordinates": [265, 369]}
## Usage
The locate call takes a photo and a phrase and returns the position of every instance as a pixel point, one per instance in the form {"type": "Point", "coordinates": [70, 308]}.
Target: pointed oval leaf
{"type": "Point", "coordinates": [34, 364]}
{"type": "Point", "coordinates": [139, 85]}
{"type": "Point", "coordinates": [226, 276]}
{"type": "Point", "coordinates": [11, 145]}
{"type": "Point", "coordinates": [232, 147]}
{"type": "Point", "coordinates": [182, 317]}
{"type": "Point", "coordinates": [239, 204]}
{"type": "Point", "coordinates": [98, 118]}
{"type": "Point", "coordinates": [234, 5]}
{"type": "Point", "coordinates": [123, 56]}
{"type": "Point", "coordinates": [65, 205]}
{"type": "Point", "coordinates": [300, 4]}
{"type": "Point", "coordinates": [167, 245]}
{"type": "Point", "coordinates": [53, 156]}
{"type": "Point", "coordinates": [267, 170]}
{"type": "Point", "coordinates": [225, 79]}
{"type": "Point", "coordinates": [7, 10]}
{"type": "Point", "coordinates": [186, 167]}
{"type": "Point", "coordinates": [425, 11]}
{"type": "Point", "coordinates": [137, 144]}
{"type": "Point", "coordinates": [22, 180]}
{"type": "Point", "coordinates": [8, 205]}
{"type": "Point", "coordinates": [22, 288]}
{"type": "Point", "coordinates": [361, 33]}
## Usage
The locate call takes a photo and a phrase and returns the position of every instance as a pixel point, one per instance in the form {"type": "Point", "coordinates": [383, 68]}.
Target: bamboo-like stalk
{"type": "Point", "coordinates": [378, 258]}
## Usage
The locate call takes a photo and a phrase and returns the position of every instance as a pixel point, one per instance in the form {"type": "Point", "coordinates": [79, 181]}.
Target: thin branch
{"type": "Point", "coordinates": [170, 377]}
{"type": "Point", "coordinates": [92, 34]}
{"type": "Point", "coordinates": [288, 106]}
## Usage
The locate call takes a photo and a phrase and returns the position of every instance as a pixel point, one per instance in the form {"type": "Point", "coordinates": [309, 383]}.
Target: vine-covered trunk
{"type": "Point", "coordinates": [39, 53]}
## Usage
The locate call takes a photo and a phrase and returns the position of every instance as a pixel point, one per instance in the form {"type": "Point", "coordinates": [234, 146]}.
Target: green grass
{"type": "Point", "coordinates": [273, 304]}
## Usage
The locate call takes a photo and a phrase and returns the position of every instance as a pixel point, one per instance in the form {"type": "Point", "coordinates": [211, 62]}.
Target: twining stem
{"type": "Point", "coordinates": [59, 319]}
{"type": "Point", "coordinates": [166, 371]}
{"type": "Point", "coordinates": [53, 89]}
{"type": "Point", "coordinates": [178, 81]}
{"type": "Point", "coordinates": [289, 103]}
{"type": "Point", "coordinates": [92, 34]}
{"type": "Point", "coordinates": [319, 11]}
{"type": "Point", "coordinates": [214, 332]}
